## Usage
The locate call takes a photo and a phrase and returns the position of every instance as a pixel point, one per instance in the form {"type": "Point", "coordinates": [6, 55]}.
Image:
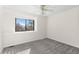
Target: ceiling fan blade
{"type": "Point", "coordinates": [43, 8]}
{"type": "Point", "coordinates": [48, 10]}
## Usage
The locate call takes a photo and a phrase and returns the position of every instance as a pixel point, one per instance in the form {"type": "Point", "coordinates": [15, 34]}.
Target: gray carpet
{"type": "Point", "coordinates": [45, 46]}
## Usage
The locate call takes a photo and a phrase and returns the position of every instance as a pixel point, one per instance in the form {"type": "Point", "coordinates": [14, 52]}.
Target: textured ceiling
{"type": "Point", "coordinates": [36, 9]}
{"type": "Point", "coordinates": [32, 9]}
{"type": "Point", "coordinates": [53, 9]}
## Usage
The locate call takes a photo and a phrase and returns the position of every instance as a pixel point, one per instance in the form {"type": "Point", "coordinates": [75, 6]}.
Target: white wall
{"type": "Point", "coordinates": [64, 27]}
{"type": "Point", "coordinates": [10, 37]}
{"type": "Point", "coordinates": [1, 28]}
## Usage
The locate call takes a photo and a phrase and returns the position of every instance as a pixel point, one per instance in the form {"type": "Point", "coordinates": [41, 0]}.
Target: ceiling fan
{"type": "Point", "coordinates": [45, 8]}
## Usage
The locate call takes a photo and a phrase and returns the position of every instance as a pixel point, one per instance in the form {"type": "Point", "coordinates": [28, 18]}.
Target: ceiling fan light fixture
{"type": "Point", "coordinates": [45, 9]}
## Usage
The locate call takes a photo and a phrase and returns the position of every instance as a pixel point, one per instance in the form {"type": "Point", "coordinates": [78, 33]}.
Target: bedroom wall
{"type": "Point", "coordinates": [10, 37]}
{"type": "Point", "coordinates": [0, 29]}
{"type": "Point", "coordinates": [64, 27]}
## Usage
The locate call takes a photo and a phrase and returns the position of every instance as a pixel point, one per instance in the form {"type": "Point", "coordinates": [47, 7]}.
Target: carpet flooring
{"type": "Point", "coordinates": [44, 46]}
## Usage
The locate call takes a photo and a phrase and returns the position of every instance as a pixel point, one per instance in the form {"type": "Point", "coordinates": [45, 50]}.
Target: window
{"type": "Point", "coordinates": [24, 24]}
